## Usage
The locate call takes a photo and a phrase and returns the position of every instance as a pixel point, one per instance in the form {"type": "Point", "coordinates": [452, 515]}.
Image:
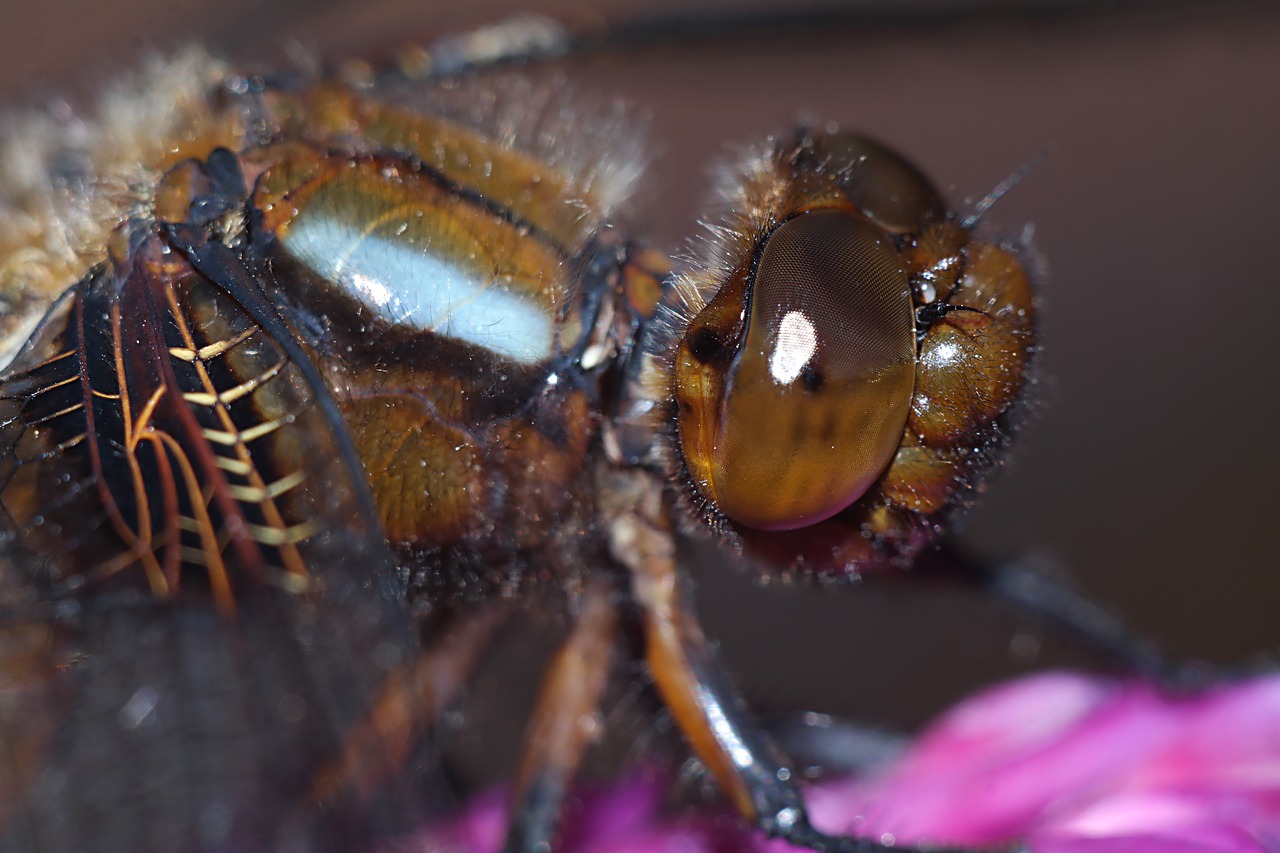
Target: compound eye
{"type": "Point", "coordinates": [887, 188]}
{"type": "Point", "coordinates": [814, 402]}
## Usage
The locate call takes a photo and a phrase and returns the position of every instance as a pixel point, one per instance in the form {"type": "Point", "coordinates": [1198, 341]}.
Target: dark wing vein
{"type": "Point", "coordinates": [219, 609]}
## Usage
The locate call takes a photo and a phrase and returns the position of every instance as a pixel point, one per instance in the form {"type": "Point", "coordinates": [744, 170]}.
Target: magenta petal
{"type": "Point", "coordinates": [1157, 821]}
{"type": "Point", "coordinates": [1062, 760]}
{"type": "Point", "coordinates": [990, 769]}
{"type": "Point", "coordinates": [608, 814]}
{"type": "Point", "coordinates": [479, 829]}
{"type": "Point", "coordinates": [1065, 764]}
{"type": "Point", "coordinates": [1228, 740]}
{"type": "Point", "coordinates": [1222, 840]}
{"type": "Point", "coordinates": [1009, 719]}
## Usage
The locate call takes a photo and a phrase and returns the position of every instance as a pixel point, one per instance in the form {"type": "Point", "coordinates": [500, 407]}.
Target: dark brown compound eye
{"type": "Point", "coordinates": [885, 186]}
{"type": "Point", "coordinates": [811, 405]}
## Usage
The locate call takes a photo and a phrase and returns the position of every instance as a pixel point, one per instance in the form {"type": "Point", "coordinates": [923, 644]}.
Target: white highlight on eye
{"type": "Point", "coordinates": [408, 285]}
{"type": "Point", "coordinates": [796, 344]}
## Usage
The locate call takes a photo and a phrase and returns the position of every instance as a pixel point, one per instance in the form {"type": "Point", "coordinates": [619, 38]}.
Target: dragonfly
{"type": "Point", "coordinates": [304, 356]}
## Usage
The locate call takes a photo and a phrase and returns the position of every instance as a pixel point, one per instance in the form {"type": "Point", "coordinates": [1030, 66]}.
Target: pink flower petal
{"type": "Point", "coordinates": [1065, 764]}
{"type": "Point", "coordinates": [990, 769]}
{"type": "Point", "coordinates": [1228, 739]}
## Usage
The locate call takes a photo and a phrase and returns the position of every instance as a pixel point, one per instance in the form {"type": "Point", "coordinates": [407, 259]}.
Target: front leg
{"type": "Point", "coordinates": [757, 778]}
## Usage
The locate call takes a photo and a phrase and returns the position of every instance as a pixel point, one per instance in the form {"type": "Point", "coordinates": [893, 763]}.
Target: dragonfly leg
{"type": "Point", "coordinates": [759, 781]}
{"type": "Point", "coordinates": [565, 722]}
{"type": "Point", "coordinates": [1029, 590]}
{"type": "Point", "coordinates": [409, 702]}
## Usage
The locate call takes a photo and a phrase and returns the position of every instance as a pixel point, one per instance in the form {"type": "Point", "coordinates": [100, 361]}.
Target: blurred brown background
{"type": "Point", "coordinates": [1150, 471]}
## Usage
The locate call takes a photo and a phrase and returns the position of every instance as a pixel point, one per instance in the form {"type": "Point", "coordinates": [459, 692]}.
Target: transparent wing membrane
{"type": "Point", "coordinates": [168, 479]}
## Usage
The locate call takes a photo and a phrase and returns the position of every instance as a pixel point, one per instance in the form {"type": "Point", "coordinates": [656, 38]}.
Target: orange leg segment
{"type": "Point", "coordinates": [565, 722]}
{"type": "Point", "coordinates": [708, 709]}
{"type": "Point", "coordinates": [410, 701]}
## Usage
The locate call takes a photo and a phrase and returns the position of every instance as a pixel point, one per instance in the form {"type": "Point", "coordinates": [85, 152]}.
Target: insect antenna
{"type": "Point", "coordinates": [1000, 190]}
{"type": "Point", "coordinates": [526, 38]}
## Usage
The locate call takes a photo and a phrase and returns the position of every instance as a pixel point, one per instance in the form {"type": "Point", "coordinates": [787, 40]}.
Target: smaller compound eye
{"type": "Point", "coordinates": [813, 403]}
{"type": "Point", "coordinates": [887, 188]}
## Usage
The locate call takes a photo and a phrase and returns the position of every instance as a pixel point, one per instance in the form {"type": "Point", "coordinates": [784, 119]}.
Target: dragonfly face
{"type": "Point", "coordinates": [523, 432]}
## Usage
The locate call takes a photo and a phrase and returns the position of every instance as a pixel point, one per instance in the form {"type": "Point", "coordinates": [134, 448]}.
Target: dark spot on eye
{"type": "Point", "coordinates": [829, 433]}
{"type": "Point", "coordinates": [811, 379]}
{"type": "Point", "coordinates": [705, 346]}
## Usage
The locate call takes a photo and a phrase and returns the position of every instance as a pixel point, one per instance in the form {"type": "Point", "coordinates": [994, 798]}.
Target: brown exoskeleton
{"type": "Point", "coordinates": [353, 350]}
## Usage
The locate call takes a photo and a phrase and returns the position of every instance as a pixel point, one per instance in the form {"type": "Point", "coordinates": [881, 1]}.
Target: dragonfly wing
{"type": "Point", "coordinates": [198, 606]}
